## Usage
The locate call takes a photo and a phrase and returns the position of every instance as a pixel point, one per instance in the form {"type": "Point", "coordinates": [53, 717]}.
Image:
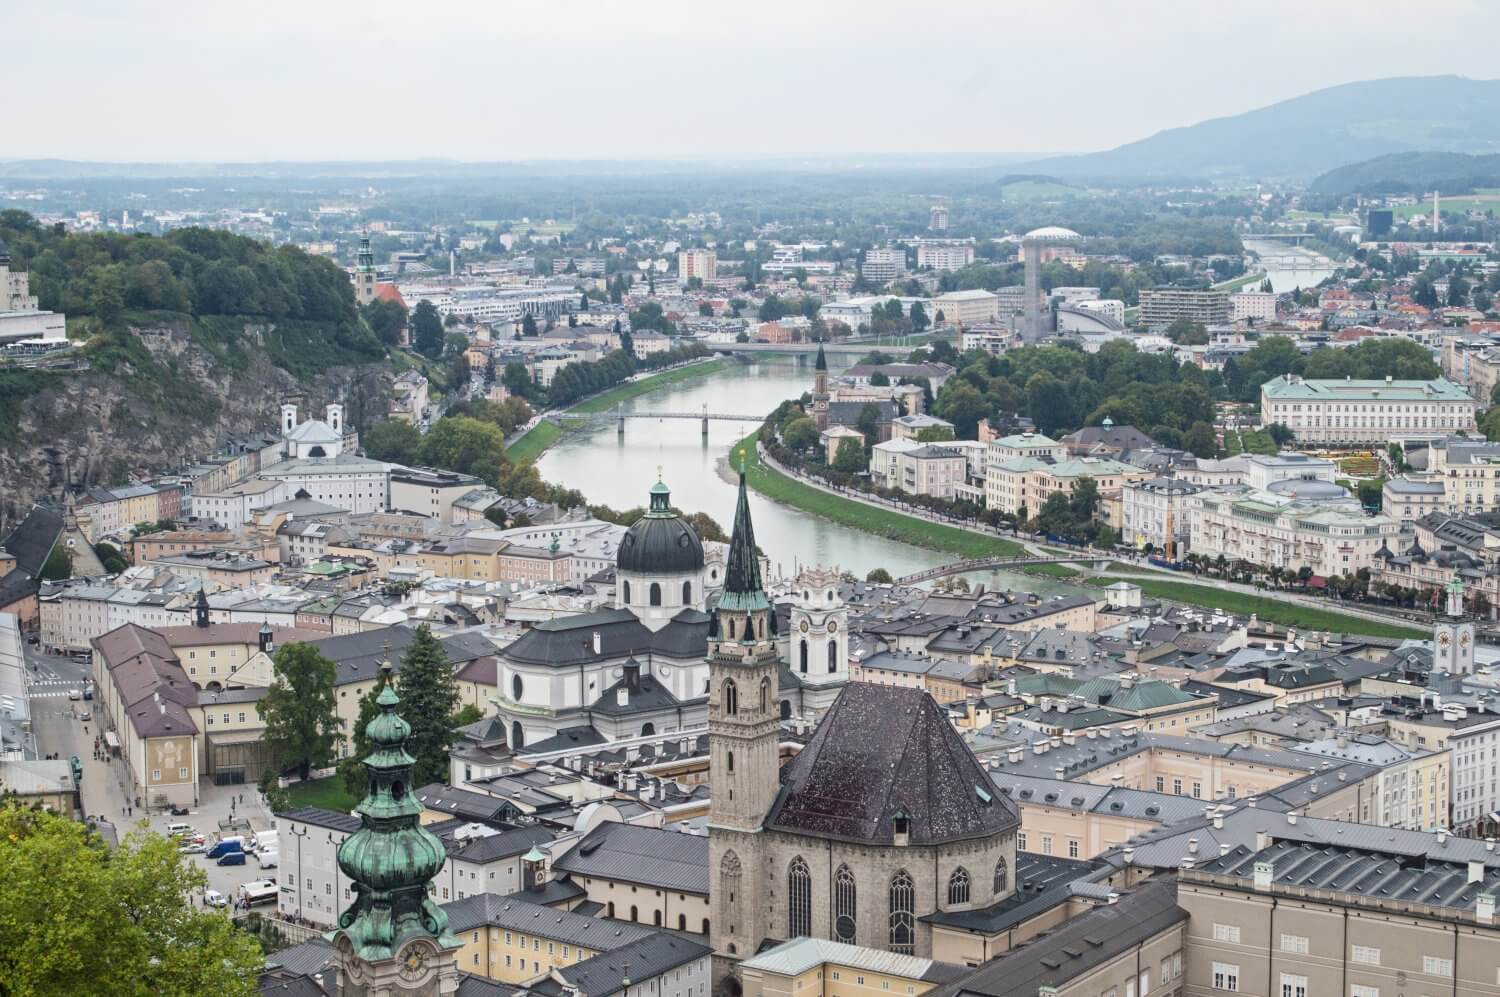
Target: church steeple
{"type": "Point", "coordinates": [744, 708]}
{"type": "Point", "coordinates": [1453, 633]}
{"type": "Point", "coordinates": [364, 272]}
{"type": "Point", "coordinates": [392, 934]}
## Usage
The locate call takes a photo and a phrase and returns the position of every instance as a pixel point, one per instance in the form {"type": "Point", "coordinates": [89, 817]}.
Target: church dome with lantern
{"type": "Point", "coordinates": [659, 568]}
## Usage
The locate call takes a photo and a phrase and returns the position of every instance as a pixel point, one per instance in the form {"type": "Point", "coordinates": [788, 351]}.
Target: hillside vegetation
{"type": "Point", "coordinates": [188, 338]}
{"type": "Point", "coordinates": [1413, 173]}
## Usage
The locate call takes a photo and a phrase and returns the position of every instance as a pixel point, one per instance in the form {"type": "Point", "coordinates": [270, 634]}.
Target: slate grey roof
{"type": "Point", "coordinates": [514, 913]}
{"type": "Point", "coordinates": [569, 641]}
{"type": "Point", "coordinates": [1076, 947]}
{"type": "Point", "coordinates": [847, 784]}
{"type": "Point", "coordinates": [312, 956]}
{"type": "Point", "coordinates": [668, 860]}
{"type": "Point", "coordinates": [649, 694]}
{"type": "Point", "coordinates": [484, 848]}
{"type": "Point", "coordinates": [474, 985]}
{"type": "Point", "coordinates": [33, 538]}
{"type": "Point", "coordinates": [1041, 883]}
{"type": "Point", "coordinates": [650, 957]}
{"type": "Point", "coordinates": [357, 656]}
{"type": "Point", "coordinates": [1370, 872]}
{"type": "Point", "coordinates": [318, 817]}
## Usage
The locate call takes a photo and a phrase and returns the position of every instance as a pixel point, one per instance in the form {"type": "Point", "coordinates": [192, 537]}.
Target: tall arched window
{"type": "Point", "coordinates": [731, 698]}
{"type": "Point", "coordinates": [655, 594]}
{"type": "Point", "coordinates": [517, 736]}
{"type": "Point", "coordinates": [647, 729]}
{"type": "Point", "coordinates": [844, 899]}
{"type": "Point", "coordinates": [903, 935]}
{"type": "Point", "coordinates": [833, 657]}
{"type": "Point", "coordinates": [687, 593]}
{"type": "Point", "coordinates": [958, 887]}
{"type": "Point", "coordinates": [625, 587]}
{"type": "Point", "coordinates": [765, 695]}
{"type": "Point", "coordinates": [798, 900]}
{"type": "Point", "coordinates": [731, 628]}
{"type": "Point", "coordinates": [729, 759]}
{"type": "Point", "coordinates": [802, 658]}
{"type": "Point", "coordinates": [729, 886]}
{"type": "Point", "coordinates": [1002, 876]}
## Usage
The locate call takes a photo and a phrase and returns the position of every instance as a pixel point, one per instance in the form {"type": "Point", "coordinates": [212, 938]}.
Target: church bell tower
{"type": "Point", "coordinates": [1453, 634]}
{"type": "Point", "coordinates": [364, 273]}
{"type": "Point", "coordinates": [392, 939]}
{"type": "Point", "coordinates": [744, 721]}
{"type": "Point", "coordinates": [820, 390]}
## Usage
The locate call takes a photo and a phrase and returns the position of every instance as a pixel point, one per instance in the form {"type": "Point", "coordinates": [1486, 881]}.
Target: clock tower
{"type": "Point", "coordinates": [1453, 634]}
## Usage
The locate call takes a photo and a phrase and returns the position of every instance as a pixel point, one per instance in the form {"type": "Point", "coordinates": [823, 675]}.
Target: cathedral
{"type": "Point", "coordinates": [883, 819]}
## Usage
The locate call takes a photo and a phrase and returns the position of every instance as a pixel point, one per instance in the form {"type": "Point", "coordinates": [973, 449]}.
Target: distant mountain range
{"type": "Point", "coordinates": [1309, 135]}
{"type": "Point", "coordinates": [1413, 173]}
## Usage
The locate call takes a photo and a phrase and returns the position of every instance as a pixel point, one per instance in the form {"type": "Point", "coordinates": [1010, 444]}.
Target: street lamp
{"type": "Point", "coordinates": [298, 882]}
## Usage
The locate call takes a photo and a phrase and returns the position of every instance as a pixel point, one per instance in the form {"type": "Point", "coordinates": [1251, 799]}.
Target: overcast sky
{"type": "Point", "coordinates": [135, 80]}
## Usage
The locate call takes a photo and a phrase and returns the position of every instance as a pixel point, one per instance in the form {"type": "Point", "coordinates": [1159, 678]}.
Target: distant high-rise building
{"type": "Point", "coordinates": [1379, 221]}
{"type": "Point", "coordinates": [940, 255]}
{"type": "Point", "coordinates": [1437, 214]}
{"type": "Point", "coordinates": [881, 266]}
{"type": "Point", "coordinates": [939, 218]}
{"type": "Point", "coordinates": [1161, 306]}
{"type": "Point", "coordinates": [1032, 244]}
{"type": "Point", "coordinates": [700, 263]}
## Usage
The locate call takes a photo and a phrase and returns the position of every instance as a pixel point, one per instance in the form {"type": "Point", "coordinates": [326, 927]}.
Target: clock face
{"type": "Point", "coordinates": [804, 626]}
{"type": "Point", "coordinates": [1463, 639]}
{"type": "Point", "coordinates": [1444, 639]}
{"type": "Point", "coordinates": [833, 626]}
{"type": "Point", "coordinates": [415, 961]}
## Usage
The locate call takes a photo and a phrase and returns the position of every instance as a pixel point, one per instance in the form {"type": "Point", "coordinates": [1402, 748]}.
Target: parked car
{"type": "Point", "coordinates": [191, 848]}
{"type": "Point", "coordinates": [213, 898]}
{"type": "Point", "coordinates": [179, 811]}
{"type": "Point", "coordinates": [85, 716]}
{"type": "Point", "coordinates": [75, 693]}
{"type": "Point", "coordinates": [232, 858]}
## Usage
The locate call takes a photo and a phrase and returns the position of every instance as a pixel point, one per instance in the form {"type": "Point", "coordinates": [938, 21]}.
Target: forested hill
{"type": "Point", "coordinates": [1413, 173]}
{"type": "Point", "coordinates": [1308, 135]}
{"type": "Point", "coordinates": [189, 338]}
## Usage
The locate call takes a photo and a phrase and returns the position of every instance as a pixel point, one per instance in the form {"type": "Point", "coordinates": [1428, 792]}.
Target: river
{"type": "Point", "coordinates": [618, 473]}
{"type": "Point", "coordinates": [1289, 266]}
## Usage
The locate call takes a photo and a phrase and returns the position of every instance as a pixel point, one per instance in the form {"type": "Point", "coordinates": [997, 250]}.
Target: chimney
{"type": "Point", "coordinates": [1476, 872]}
{"type": "Point", "coordinates": [1059, 772]}
{"type": "Point", "coordinates": [1223, 849]}
{"type": "Point", "coordinates": [1129, 855]}
{"type": "Point", "coordinates": [1117, 780]}
{"type": "Point", "coordinates": [1015, 754]}
{"type": "Point", "coordinates": [1291, 818]}
{"type": "Point", "coordinates": [1263, 873]}
{"type": "Point", "coordinates": [1442, 836]}
{"type": "Point", "coordinates": [1192, 846]}
{"type": "Point", "coordinates": [1262, 839]}
{"type": "Point", "coordinates": [1218, 822]}
{"type": "Point", "coordinates": [1250, 802]}
{"type": "Point", "coordinates": [1484, 908]}
{"type": "Point", "coordinates": [598, 643]}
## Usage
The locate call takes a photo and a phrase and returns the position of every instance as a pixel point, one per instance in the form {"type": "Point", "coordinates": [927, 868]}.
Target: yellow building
{"type": "Point", "coordinates": [515, 941]}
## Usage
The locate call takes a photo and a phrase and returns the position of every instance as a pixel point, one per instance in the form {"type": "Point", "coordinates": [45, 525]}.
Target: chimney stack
{"type": "Point", "coordinates": [1263, 873]}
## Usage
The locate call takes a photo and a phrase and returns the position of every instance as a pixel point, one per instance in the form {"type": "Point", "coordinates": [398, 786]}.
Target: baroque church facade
{"type": "Point", "coordinates": [883, 819]}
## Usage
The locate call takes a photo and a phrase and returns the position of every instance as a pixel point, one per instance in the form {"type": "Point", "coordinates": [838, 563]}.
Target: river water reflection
{"type": "Point", "coordinates": [618, 472]}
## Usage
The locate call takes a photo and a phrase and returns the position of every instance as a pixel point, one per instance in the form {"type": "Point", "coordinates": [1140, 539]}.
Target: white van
{"type": "Point", "coordinates": [262, 841]}
{"type": "Point", "coordinates": [260, 891]}
{"type": "Point", "coordinates": [268, 858]}
{"type": "Point", "coordinates": [179, 830]}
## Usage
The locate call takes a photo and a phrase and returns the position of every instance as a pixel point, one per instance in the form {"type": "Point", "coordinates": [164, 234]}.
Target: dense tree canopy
{"type": "Point", "coordinates": [299, 710]}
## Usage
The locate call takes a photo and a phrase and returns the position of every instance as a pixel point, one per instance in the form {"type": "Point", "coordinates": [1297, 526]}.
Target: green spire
{"type": "Point", "coordinates": [742, 585]}
{"type": "Point", "coordinates": [822, 361]}
{"type": "Point", "coordinates": [366, 258]}
{"type": "Point", "coordinates": [391, 858]}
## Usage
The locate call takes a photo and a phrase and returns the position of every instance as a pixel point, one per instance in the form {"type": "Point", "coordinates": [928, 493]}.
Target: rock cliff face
{"type": "Point", "coordinates": [165, 398]}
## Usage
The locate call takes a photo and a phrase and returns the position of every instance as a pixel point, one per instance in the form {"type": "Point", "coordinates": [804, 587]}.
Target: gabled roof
{"type": "Point", "coordinates": [667, 860]}
{"type": "Point", "coordinates": [33, 538]}
{"type": "Point", "coordinates": [849, 785]}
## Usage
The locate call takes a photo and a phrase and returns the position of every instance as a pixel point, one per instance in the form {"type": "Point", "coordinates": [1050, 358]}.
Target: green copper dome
{"type": "Point", "coordinates": [392, 857]}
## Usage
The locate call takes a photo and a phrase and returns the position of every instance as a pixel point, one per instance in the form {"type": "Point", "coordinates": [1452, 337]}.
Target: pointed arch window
{"type": "Point", "coordinates": [798, 899]}
{"type": "Point", "coordinates": [1002, 876]}
{"type": "Point", "coordinates": [845, 898]}
{"type": "Point", "coordinates": [765, 695]}
{"type": "Point", "coordinates": [729, 885]}
{"type": "Point", "coordinates": [958, 887]}
{"type": "Point", "coordinates": [655, 594]}
{"type": "Point", "coordinates": [731, 698]}
{"type": "Point", "coordinates": [833, 657]}
{"type": "Point", "coordinates": [903, 933]}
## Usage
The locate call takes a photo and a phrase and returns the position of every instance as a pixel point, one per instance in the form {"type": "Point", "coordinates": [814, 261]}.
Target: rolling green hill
{"type": "Point", "coordinates": [1309, 135]}
{"type": "Point", "coordinates": [1413, 173]}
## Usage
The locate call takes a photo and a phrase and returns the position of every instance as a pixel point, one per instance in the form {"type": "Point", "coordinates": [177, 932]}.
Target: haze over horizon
{"type": "Point", "coordinates": [467, 81]}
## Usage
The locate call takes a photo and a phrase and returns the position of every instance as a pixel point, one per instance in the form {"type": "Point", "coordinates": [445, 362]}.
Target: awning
{"type": "Point", "coordinates": [111, 740]}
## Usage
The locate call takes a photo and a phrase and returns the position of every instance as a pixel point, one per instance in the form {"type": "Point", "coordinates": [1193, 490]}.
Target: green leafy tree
{"type": "Point", "coordinates": [919, 319]}
{"type": "Point", "coordinates": [109, 555]}
{"type": "Point", "coordinates": [1281, 434]}
{"type": "Point", "coordinates": [79, 917]}
{"type": "Point", "coordinates": [878, 379]}
{"type": "Point", "coordinates": [299, 710]}
{"type": "Point", "coordinates": [879, 576]}
{"type": "Point", "coordinates": [868, 423]}
{"type": "Point", "coordinates": [427, 330]}
{"type": "Point", "coordinates": [1200, 440]}
{"type": "Point", "coordinates": [429, 700]}
{"type": "Point", "coordinates": [935, 434]}
{"type": "Point", "coordinates": [705, 526]}
{"type": "Point", "coordinates": [800, 434]}
{"type": "Point", "coordinates": [59, 564]}
{"type": "Point", "coordinates": [394, 440]}
{"type": "Point", "coordinates": [962, 404]}
{"type": "Point", "coordinates": [464, 444]}
{"type": "Point", "coordinates": [849, 456]}
{"type": "Point", "coordinates": [386, 320]}
{"type": "Point", "coordinates": [528, 325]}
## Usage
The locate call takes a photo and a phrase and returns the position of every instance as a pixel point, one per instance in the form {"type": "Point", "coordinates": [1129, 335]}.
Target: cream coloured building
{"type": "Point", "coordinates": [1021, 485]}
{"type": "Point", "coordinates": [1290, 525]}
{"type": "Point", "coordinates": [1369, 413]}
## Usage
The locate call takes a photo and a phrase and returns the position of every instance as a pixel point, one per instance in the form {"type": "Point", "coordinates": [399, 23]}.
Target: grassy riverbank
{"type": "Point", "coordinates": [541, 436]}
{"type": "Point", "coordinates": [1286, 614]}
{"type": "Point", "coordinates": [847, 512]}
